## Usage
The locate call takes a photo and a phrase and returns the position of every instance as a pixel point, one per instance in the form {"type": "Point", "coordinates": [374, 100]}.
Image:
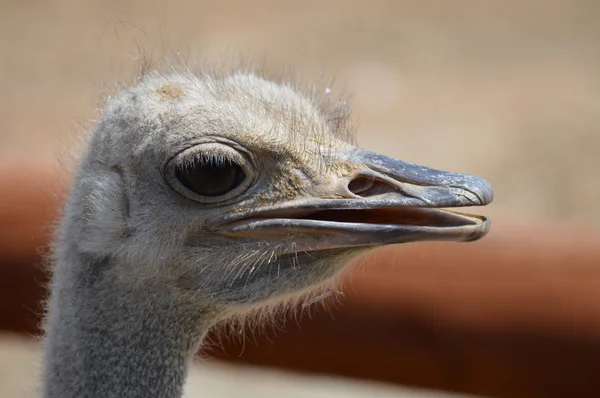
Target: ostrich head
{"type": "Point", "coordinates": [240, 190]}
{"type": "Point", "coordinates": [199, 199]}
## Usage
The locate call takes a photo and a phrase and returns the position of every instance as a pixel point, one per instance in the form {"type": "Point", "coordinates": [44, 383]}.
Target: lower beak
{"type": "Point", "coordinates": [385, 201]}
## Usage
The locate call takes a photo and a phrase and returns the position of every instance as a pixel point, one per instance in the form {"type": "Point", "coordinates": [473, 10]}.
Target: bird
{"type": "Point", "coordinates": [201, 198]}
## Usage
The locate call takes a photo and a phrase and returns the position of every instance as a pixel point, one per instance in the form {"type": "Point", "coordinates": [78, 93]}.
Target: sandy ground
{"type": "Point", "coordinates": [509, 90]}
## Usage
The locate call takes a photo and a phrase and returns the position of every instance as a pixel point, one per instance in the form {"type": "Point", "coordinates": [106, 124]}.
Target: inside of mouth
{"type": "Point", "coordinates": [406, 216]}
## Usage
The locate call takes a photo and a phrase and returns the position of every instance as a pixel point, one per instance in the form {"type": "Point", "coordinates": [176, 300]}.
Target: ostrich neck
{"type": "Point", "coordinates": [105, 338]}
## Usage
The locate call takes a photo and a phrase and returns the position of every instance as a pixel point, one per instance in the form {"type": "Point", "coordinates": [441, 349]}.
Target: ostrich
{"type": "Point", "coordinates": [200, 199]}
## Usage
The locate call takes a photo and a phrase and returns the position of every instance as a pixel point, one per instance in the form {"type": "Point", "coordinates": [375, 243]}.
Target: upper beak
{"type": "Point", "coordinates": [384, 201]}
{"type": "Point", "coordinates": [435, 188]}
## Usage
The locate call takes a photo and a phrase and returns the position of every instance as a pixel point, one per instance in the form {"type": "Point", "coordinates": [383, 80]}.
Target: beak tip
{"type": "Point", "coordinates": [483, 190]}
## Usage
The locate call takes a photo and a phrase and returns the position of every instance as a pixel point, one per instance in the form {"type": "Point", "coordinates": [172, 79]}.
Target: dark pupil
{"type": "Point", "coordinates": [210, 178]}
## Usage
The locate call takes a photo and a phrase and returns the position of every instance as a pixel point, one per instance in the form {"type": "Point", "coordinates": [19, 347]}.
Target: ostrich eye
{"type": "Point", "coordinates": [210, 177]}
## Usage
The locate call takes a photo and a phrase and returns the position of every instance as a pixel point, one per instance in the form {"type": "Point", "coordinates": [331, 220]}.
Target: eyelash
{"type": "Point", "coordinates": [210, 158]}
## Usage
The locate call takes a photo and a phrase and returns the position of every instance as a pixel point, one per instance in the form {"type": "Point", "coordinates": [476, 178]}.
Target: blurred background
{"type": "Point", "coordinates": [508, 90]}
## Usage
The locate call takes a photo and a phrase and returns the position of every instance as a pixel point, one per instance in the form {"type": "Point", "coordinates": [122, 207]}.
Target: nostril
{"type": "Point", "coordinates": [361, 184]}
{"type": "Point", "coordinates": [369, 186]}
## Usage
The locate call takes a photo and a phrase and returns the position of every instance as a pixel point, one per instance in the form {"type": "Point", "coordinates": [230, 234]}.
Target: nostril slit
{"type": "Point", "coordinates": [368, 186]}
{"type": "Point", "coordinates": [361, 184]}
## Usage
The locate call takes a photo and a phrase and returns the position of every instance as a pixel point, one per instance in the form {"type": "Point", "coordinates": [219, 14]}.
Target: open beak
{"type": "Point", "coordinates": [384, 201]}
